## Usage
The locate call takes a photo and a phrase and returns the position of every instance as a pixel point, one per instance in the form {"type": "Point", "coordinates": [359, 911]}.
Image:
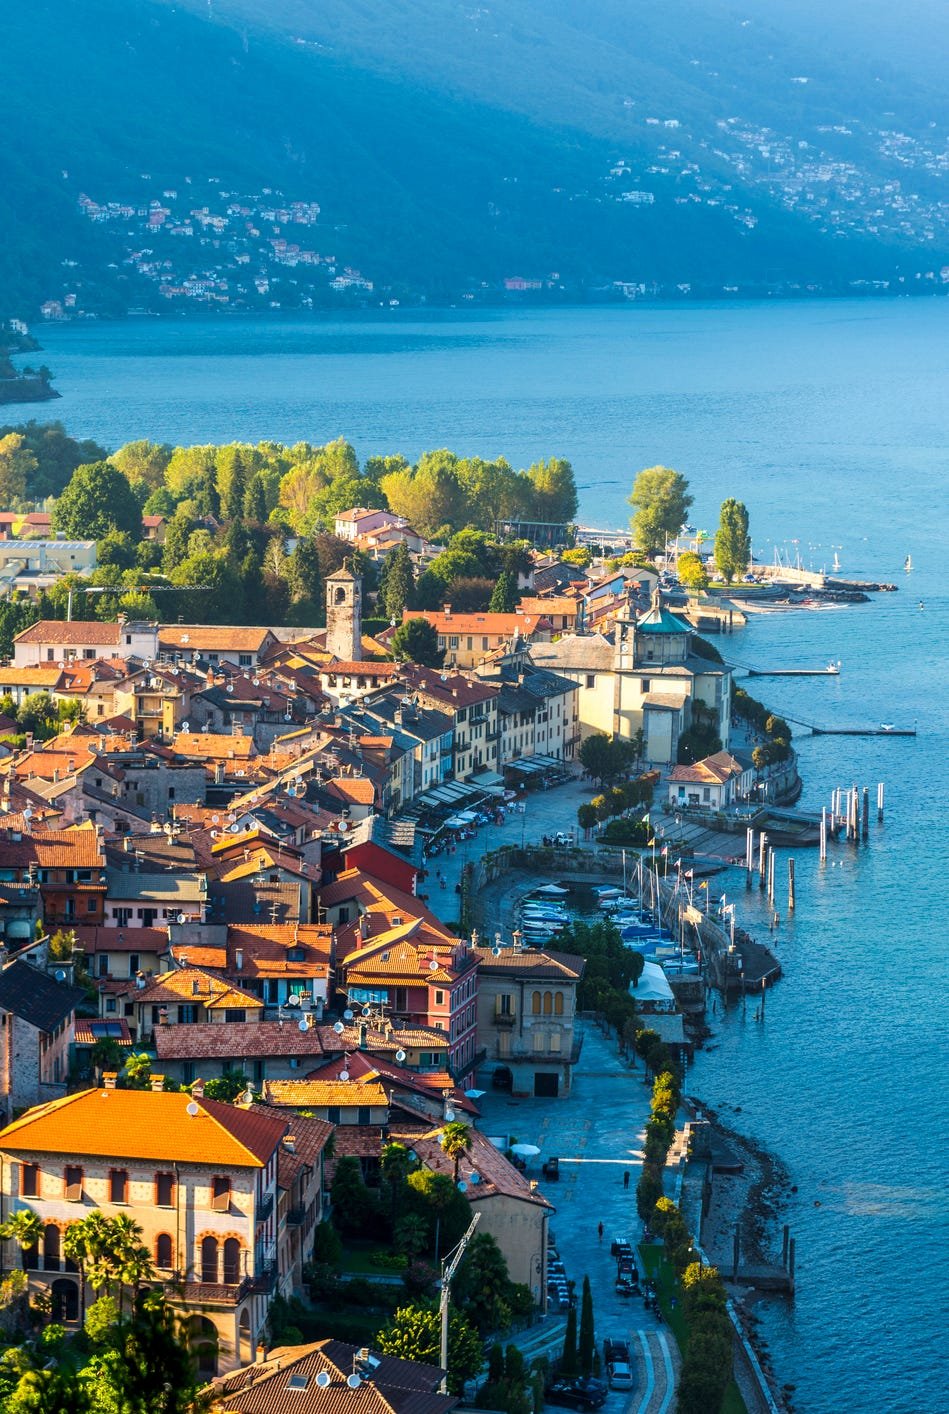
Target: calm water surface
{"type": "Point", "coordinates": [831, 420]}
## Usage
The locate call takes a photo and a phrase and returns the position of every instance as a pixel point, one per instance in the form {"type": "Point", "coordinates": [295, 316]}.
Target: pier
{"type": "Point", "coordinates": [831, 671]}
{"type": "Point", "coordinates": [882, 730]}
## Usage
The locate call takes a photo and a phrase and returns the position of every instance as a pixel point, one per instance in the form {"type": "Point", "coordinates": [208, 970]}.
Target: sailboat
{"type": "Point", "coordinates": [908, 564]}
{"type": "Point", "coordinates": [835, 567]}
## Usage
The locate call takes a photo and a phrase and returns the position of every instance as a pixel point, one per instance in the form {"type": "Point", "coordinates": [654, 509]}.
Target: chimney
{"type": "Point", "coordinates": [364, 925]}
{"type": "Point", "coordinates": [126, 843]}
{"type": "Point", "coordinates": [140, 980]}
{"type": "Point", "coordinates": [446, 609]}
{"type": "Point", "coordinates": [290, 1143]}
{"type": "Point", "coordinates": [196, 987]}
{"type": "Point", "coordinates": [163, 1016]}
{"type": "Point", "coordinates": [239, 959]}
{"type": "Point", "coordinates": [109, 1078]}
{"type": "Point", "coordinates": [158, 1082]}
{"type": "Point", "coordinates": [363, 1035]}
{"type": "Point", "coordinates": [197, 1090]}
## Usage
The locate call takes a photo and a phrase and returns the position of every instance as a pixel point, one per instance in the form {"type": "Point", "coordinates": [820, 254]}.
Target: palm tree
{"type": "Point", "coordinates": [456, 1140]}
{"type": "Point", "coordinates": [24, 1228]}
{"type": "Point", "coordinates": [395, 1169]}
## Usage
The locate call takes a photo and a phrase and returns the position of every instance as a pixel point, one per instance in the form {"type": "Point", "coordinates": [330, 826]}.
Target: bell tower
{"type": "Point", "coordinates": [344, 616]}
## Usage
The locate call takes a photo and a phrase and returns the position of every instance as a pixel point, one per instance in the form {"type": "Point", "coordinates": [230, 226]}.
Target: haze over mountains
{"type": "Point", "coordinates": [452, 147]}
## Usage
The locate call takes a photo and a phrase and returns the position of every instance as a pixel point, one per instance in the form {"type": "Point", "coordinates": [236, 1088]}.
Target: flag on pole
{"type": "Point", "coordinates": [650, 844]}
{"type": "Point", "coordinates": [704, 884]}
{"type": "Point", "coordinates": [664, 850]}
{"type": "Point", "coordinates": [646, 818]}
{"type": "Point", "coordinates": [689, 875]}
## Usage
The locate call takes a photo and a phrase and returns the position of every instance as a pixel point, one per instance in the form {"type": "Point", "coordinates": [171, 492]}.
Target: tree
{"type": "Point", "coordinates": [38, 714]}
{"type": "Point", "coordinates": [505, 596]}
{"type": "Point", "coordinates": [146, 1368]}
{"type": "Point", "coordinates": [24, 1228]}
{"type": "Point", "coordinates": [17, 465]}
{"type": "Point", "coordinates": [411, 1234]}
{"type": "Point", "coordinates": [395, 1163]}
{"type": "Point", "coordinates": [586, 817]}
{"type": "Point", "coordinates": [581, 556]}
{"type": "Point", "coordinates": [415, 1334]}
{"type": "Point", "coordinates": [143, 462]}
{"type": "Point", "coordinates": [416, 641]}
{"type": "Point", "coordinates": [227, 1088]}
{"type": "Point", "coordinates": [605, 758]}
{"type": "Point", "coordinates": [98, 499]}
{"type": "Point", "coordinates": [732, 540]}
{"type": "Point", "coordinates": [304, 583]}
{"type": "Point", "coordinates": [352, 1201]}
{"type": "Point", "coordinates": [456, 1141]}
{"type": "Point", "coordinates": [255, 500]}
{"type": "Point", "coordinates": [57, 456]}
{"type": "Point", "coordinates": [569, 1363]}
{"type": "Point", "coordinates": [691, 570]}
{"type": "Point", "coordinates": [586, 1344]}
{"type": "Point", "coordinates": [661, 502]}
{"type": "Point", "coordinates": [138, 1071]}
{"type": "Point", "coordinates": [554, 491]}
{"type": "Point", "coordinates": [397, 582]}
{"type": "Point", "coordinates": [483, 1288]}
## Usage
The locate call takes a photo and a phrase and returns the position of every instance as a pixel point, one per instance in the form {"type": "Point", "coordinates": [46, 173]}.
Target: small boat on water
{"type": "Point", "coordinates": [908, 564]}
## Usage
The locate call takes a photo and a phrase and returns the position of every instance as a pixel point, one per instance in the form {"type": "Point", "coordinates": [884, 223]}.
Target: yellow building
{"type": "Point", "coordinates": [226, 1199]}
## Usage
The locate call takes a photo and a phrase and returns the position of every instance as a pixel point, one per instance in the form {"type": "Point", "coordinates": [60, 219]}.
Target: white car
{"type": "Point", "coordinates": [621, 1376]}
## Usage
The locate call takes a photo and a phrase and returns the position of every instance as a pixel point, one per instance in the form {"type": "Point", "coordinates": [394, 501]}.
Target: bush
{"type": "Point", "coordinates": [389, 1261]}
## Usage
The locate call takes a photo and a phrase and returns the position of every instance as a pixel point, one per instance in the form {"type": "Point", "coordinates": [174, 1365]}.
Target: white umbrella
{"type": "Point", "coordinates": [525, 1151]}
{"type": "Point", "coordinates": [553, 890]}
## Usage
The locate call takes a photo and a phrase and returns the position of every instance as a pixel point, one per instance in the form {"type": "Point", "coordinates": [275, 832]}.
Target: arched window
{"type": "Point", "coordinates": [535, 1004]}
{"type": "Point", "coordinates": [548, 1003]}
{"type": "Point", "coordinates": [558, 1003]}
{"type": "Point", "coordinates": [232, 1261]}
{"type": "Point", "coordinates": [209, 1262]}
{"type": "Point", "coordinates": [51, 1248]}
{"type": "Point", "coordinates": [164, 1251]}
{"type": "Point", "coordinates": [340, 596]}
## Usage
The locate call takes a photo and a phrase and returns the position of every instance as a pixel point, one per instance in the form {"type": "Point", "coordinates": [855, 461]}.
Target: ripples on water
{"type": "Point", "coordinates": [832, 422]}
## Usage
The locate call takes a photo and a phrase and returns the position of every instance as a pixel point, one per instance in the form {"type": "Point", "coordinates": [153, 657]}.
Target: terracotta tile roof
{"type": "Point", "coordinates": [498, 625]}
{"type": "Point", "coordinates": [287, 1380]}
{"type": "Point", "coordinates": [207, 1040]}
{"type": "Point", "coordinates": [355, 788]}
{"type": "Point", "coordinates": [361, 669]}
{"type": "Point", "coordinates": [210, 746]}
{"type": "Point", "coordinates": [405, 954]}
{"type": "Point", "coordinates": [52, 849]}
{"type": "Point", "coordinates": [365, 1068]}
{"type": "Point", "coordinates": [192, 984]}
{"type": "Point", "coordinates": [146, 1124]}
{"type": "Point", "coordinates": [496, 1174]}
{"type": "Point", "coordinates": [532, 963]}
{"type": "Point", "coordinates": [451, 692]}
{"type": "Point", "coordinates": [319, 1094]}
{"type": "Point", "coordinates": [211, 638]}
{"type": "Point", "coordinates": [75, 632]}
{"type": "Point", "coordinates": [90, 1030]}
{"type": "Point", "coordinates": [93, 939]}
{"type": "Point", "coordinates": [48, 676]}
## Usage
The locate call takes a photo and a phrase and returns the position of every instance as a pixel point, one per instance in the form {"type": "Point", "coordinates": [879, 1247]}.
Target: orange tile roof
{"type": "Point", "coordinates": [211, 638]}
{"type": "Point", "coordinates": [146, 1124]}
{"type": "Point", "coordinates": [217, 748]}
{"type": "Point", "coordinates": [502, 625]}
{"type": "Point", "coordinates": [405, 954]}
{"type": "Point", "coordinates": [318, 1094]}
{"type": "Point", "coordinates": [53, 849]}
{"type": "Point", "coordinates": [47, 676]}
{"type": "Point", "coordinates": [76, 631]}
{"type": "Point", "coordinates": [212, 992]}
{"type": "Point", "coordinates": [355, 788]}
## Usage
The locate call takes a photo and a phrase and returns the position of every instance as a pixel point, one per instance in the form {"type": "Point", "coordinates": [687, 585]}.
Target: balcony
{"type": "Point", "coordinates": [296, 1217]}
{"type": "Point", "coordinates": [265, 1208]}
{"type": "Point", "coordinates": [504, 1018]}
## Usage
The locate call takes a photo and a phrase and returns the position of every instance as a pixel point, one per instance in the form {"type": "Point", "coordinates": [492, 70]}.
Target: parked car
{"type": "Point", "coordinates": [615, 1351]}
{"type": "Point", "coordinates": [551, 1168]}
{"type": "Point", "coordinates": [577, 1394]}
{"type": "Point", "coordinates": [621, 1376]}
{"type": "Point", "coordinates": [620, 1247]}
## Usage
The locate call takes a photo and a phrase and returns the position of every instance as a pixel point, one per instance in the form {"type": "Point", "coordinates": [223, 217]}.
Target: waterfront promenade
{"type": "Point", "coordinates": [597, 1133]}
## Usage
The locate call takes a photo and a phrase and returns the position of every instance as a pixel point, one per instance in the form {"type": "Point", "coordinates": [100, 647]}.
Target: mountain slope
{"type": "Point", "coordinates": [447, 148]}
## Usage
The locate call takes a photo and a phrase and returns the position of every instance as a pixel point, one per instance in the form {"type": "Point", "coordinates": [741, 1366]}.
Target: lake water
{"type": "Point", "coordinates": [831, 420]}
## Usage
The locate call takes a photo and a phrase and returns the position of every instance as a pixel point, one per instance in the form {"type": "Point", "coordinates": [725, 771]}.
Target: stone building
{"type": "Point", "coordinates": [527, 1002]}
{"type": "Point", "coordinates": [344, 616]}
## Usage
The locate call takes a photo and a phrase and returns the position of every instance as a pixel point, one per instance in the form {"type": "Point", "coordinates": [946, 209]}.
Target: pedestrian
{"type": "Point", "coordinates": [626, 1178]}
{"type": "Point", "coordinates": [599, 1231]}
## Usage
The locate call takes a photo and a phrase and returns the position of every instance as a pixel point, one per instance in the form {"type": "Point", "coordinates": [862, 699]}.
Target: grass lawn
{"type": "Point", "coordinates": [357, 1260]}
{"type": "Point", "coordinates": [654, 1265]}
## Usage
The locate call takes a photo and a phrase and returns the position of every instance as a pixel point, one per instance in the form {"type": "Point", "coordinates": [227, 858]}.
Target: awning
{"type": "Point", "coordinates": [487, 778]}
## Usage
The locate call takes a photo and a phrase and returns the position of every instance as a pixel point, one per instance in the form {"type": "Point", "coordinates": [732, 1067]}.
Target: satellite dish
{"type": "Point", "coordinates": [60, 974]}
{"type": "Point", "coordinates": [256, 682]}
{"type": "Point", "coordinates": [496, 950]}
{"type": "Point", "coordinates": [323, 1379]}
{"type": "Point", "coordinates": [339, 1028]}
{"type": "Point", "coordinates": [474, 1177]}
{"type": "Point", "coordinates": [347, 1015]}
{"type": "Point", "coordinates": [400, 1056]}
{"type": "Point", "coordinates": [192, 1109]}
{"type": "Point", "coordinates": [344, 1075]}
{"type": "Point", "coordinates": [234, 829]}
{"type": "Point", "coordinates": [367, 1011]}
{"type": "Point", "coordinates": [215, 819]}
{"type": "Point", "coordinates": [433, 966]}
{"type": "Point", "coordinates": [302, 1024]}
{"type": "Point", "coordinates": [449, 1114]}
{"type": "Point", "coordinates": [294, 999]}
{"type": "Point", "coordinates": [182, 917]}
{"type": "Point", "coordinates": [462, 1186]}
{"type": "Point", "coordinates": [354, 1380]}
{"type": "Point", "coordinates": [184, 726]}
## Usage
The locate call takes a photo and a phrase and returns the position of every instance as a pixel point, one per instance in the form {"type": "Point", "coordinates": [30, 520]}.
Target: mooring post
{"type": "Point", "coordinates": [791, 1260]}
{"type": "Point", "coordinates": [771, 877]}
{"type": "Point", "coordinates": [763, 875]}
{"type": "Point", "coordinates": [880, 803]}
{"type": "Point", "coordinates": [866, 813]}
{"type": "Point", "coordinates": [784, 1246]}
{"type": "Point", "coordinates": [763, 845]}
{"type": "Point", "coordinates": [823, 834]}
{"type": "Point", "coordinates": [790, 886]}
{"type": "Point", "coordinates": [750, 848]}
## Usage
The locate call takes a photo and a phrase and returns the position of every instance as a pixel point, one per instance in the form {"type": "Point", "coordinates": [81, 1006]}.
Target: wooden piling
{"type": "Point", "coordinates": [823, 834]}
{"type": "Point", "coordinates": [784, 1246]}
{"type": "Point", "coordinates": [763, 845]}
{"type": "Point", "coordinates": [750, 848]}
{"type": "Point", "coordinates": [791, 1255]}
{"type": "Point", "coordinates": [790, 886]}
{"type": "Point", "coordinates": [880, 803]}
{"type": "Point", "coordinates": [771, 877]}
{"type": "Point", "coordinates": [763, 875]}
{"type": "Point", "coordinates": [866, 813]}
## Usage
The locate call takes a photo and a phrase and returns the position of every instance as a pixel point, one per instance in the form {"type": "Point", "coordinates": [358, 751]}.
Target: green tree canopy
{"type": "Point", "coordinates": [143, 462]}
{"type": "Point", "coordinates": [18, 464]}
{"type": "Point", "coordinates": [661, 503]}
{"type": "Point", "coordinates": [732, 540]}
{"type": "Point", "coordinates": [691, 570]}
{"type": "Point", "coordinates": [505, 597]}
{"type": "Point", "coordinates": [57, 455]}
{"type": "Point", "coordinates": [97, 500]}
{"type": "Point", "coordinates": [415, 1334]}
{"type": "Point", "coordinates": [416, 641]}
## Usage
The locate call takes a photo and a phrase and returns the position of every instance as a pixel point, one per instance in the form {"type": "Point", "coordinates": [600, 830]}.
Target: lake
{"type": "Point", "coordinates": [831, 421]}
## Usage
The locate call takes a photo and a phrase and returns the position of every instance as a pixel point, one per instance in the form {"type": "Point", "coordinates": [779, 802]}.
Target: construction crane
{"type": "Point", "coordinates": [131, 589]}
{"type": "Point", "coordinates": [449, 1267]}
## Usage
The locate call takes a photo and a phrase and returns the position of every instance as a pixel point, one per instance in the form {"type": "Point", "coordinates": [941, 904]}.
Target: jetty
{"type": "Point", "coordinates": [883, 729]}
{"type": "Point", "coordinates": [831, 671]}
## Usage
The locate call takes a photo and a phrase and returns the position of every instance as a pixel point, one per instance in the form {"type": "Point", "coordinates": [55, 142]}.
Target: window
{"type": "Point", "coordinates": [189, 1012]}
{"type": "Point", "coordinates": [51, 1248]}
{"type": "Point", "coordinates": [706, 793]}
{"type": "Point", "coordinates": [548, 1003]}
{"type": "Point", "coordinates": [220, 1193]}
{"type": "Point", "coordinates": [558, 1003]}
{"type": "Point", "coordinates": [244, 660]}
{"type": "Point", "coordinates": [505, 1004]}
{"type": "Point", "coordinates": [102, 966]}
{"type": "Point", "coordinates": [118, 1186]}
{"type": "Point", "coordinates": [29, 1180]}
{"type": "Point", "coordinates": [235, 1014]}
{"type": "Point", "coordinates": [232, 1261]}
{"type": "Point", "coordinates": [164, 1251]}
{"type": "Point", "coordinates": [332, 1114]}
{"type": "Point", "coordinates": [134, 963]}
{"type": "Point", "coordinates": [363, 1115]}
{"type": "Point", "coordinates": [535, 1003]}
{"type": "Point", "coordinates": [644, 683]}
{"type": "Point", "coordinates": [453, 641]}
{"type": "Point", "coordinates": [209, 1262]}
{"type": "Point", "coordinates": [439, 998]}
{"type": "Point", "coordinates": [164, 1190]}
{"type": "Point", "coordinates": [72, 1184]}
{"type": "Point", "coordinates": [553, 1042]}
{"type": "Point", "coordinates": [401, 999]}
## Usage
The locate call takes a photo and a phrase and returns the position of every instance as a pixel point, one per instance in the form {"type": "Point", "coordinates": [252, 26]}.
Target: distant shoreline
{"type": "Point", "coordinates": [26, 390]}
